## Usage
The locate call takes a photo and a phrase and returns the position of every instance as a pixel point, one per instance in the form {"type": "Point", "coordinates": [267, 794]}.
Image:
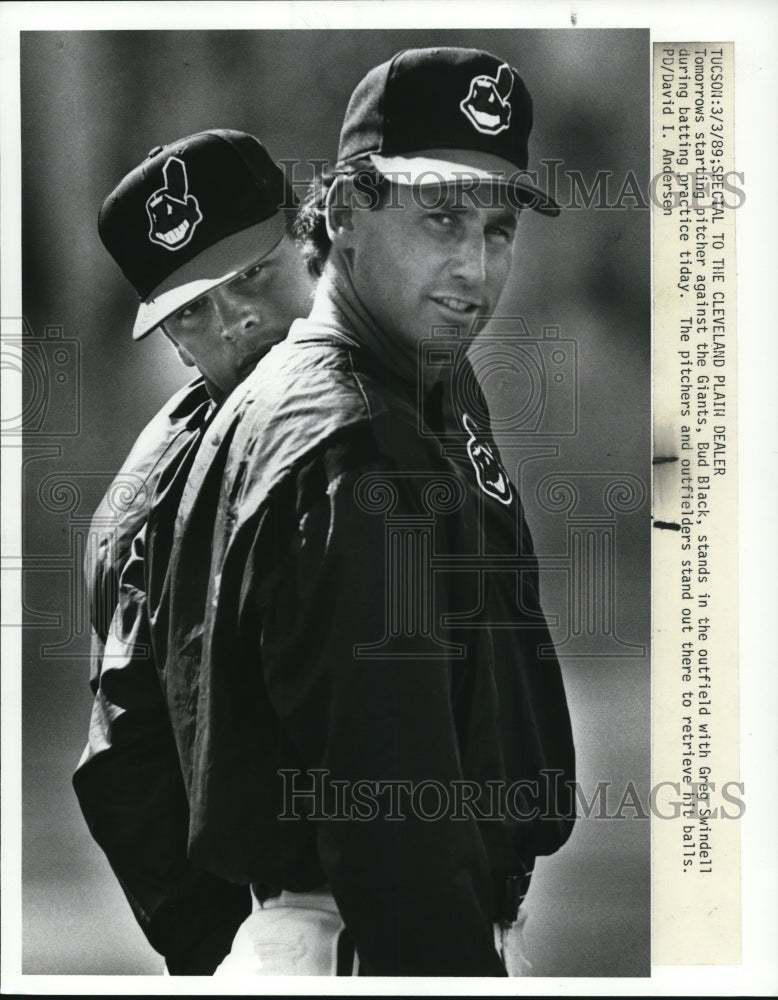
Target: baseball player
{"type": "Point", "coordinates": [362, 688]}
{"type": "Point", "coordinates": [202, 229]}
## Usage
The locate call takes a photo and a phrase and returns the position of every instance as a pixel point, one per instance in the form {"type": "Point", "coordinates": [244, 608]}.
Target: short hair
{"type": "Point", "coordinates": [290, 219]}
{"type": "Point", "coordinates": [311, 223]}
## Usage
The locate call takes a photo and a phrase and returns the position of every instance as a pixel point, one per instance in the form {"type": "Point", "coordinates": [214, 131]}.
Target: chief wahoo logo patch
{"type": "Point", "coordinates": [486, 106]}
{"type": "Point", "coordinates": [173, 213]}
{"type": "Point", "coordinates": [489, 473]}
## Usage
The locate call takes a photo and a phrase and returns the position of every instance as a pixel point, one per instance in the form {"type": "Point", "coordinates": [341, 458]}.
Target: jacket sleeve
{"type": "Point", "coordinates": [131, 793]}
{"type": "Point", "coordinates": [415, 892]}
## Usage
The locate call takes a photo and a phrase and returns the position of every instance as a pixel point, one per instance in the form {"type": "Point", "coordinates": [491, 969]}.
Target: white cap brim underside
{"type": "Point", "coordinates": [415, 170]}
{"type": "Point", "coordinates": [213, 267]}
{"type": "Point", "coordinates": [436, 167]}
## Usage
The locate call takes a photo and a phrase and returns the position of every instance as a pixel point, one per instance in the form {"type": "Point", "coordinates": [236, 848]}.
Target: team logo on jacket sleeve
{"type": "Point", "coordinates": [486, 106]}
{"type": "Point", "coordinates": [491, 476]}
{"type": "Point", "coordinates": [173, 212]}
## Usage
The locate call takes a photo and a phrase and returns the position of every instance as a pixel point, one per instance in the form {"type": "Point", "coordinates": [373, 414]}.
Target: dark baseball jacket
{"type": "Point", "coordinates": [128, 780]}
{"type": "Point", "coordinates": [122, 512]}
{"type": "Point", "coordinates": [348, 588]}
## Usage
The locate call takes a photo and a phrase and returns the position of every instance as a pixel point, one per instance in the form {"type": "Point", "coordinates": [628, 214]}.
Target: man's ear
{"type": "Point", "coordinates": [339, 210]}
{"type": "Point", "coordinates": [184, 355]}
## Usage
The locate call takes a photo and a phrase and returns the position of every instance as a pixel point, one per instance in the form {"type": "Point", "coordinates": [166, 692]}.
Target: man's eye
{"type": "Point", "coordinates": [191, 309]}
{"type": "Point", "coordinates": [252, 272]}
{"type": "Point", "coordinates": [443, 219]}
{"type": "Point", "coordinates": [501, 233]}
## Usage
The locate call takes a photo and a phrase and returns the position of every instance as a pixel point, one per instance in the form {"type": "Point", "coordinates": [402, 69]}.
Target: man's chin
{"type": "Point", "coordinates": [248, 366]}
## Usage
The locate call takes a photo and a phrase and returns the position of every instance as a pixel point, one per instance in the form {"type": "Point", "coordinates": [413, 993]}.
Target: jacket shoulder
{"type": "Point", "coordinates": [167, 423]}
{"type": "Point", "coordinates": [127, 491]}
{"type": "Point", "coordinates": [123, 510]}
{"type": "Point", "coordinates": [299, 400]}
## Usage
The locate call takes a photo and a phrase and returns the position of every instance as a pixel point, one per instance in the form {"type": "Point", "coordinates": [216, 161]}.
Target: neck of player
{"type": "Point", "coordinates": [337, 304]}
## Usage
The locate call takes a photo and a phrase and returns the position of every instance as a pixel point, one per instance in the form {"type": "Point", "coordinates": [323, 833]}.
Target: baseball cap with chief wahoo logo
{"type": "Point", "coordinates": [191, 216]}
{"type": "Point", "coordinates": [444, 114]}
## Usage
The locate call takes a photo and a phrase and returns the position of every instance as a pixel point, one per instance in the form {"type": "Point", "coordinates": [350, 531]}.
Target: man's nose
{"type": "Point", "coordinates": [235, 317]}
{"type": "Point", "coordinates": [469, 262]}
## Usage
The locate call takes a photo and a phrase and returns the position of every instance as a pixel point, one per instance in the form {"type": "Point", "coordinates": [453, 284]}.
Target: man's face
{"type": "Point", "coordinates": [431, 257]}
{"type": "Point", "coordinates": [226, 332]}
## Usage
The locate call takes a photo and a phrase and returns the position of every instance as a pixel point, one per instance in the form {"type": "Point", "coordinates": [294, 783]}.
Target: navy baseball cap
{"type": "Point", "coordinates": [444, 114]}
{"type": "Point", "coordinates": [194, 214]}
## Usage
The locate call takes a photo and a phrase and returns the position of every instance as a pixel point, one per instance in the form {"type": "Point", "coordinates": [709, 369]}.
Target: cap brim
{"type": "Point", "coordinates": [219, 263]}
{"type": "Point", "coordinates": [451, 166]}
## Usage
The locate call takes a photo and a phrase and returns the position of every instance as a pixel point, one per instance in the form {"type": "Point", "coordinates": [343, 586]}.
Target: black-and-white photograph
{"type": "Point", "coordinates": [336, 482]}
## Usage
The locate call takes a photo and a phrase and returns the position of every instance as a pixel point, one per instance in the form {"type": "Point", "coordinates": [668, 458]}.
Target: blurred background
{"type": "Point", "coordinates": [93, 104]}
